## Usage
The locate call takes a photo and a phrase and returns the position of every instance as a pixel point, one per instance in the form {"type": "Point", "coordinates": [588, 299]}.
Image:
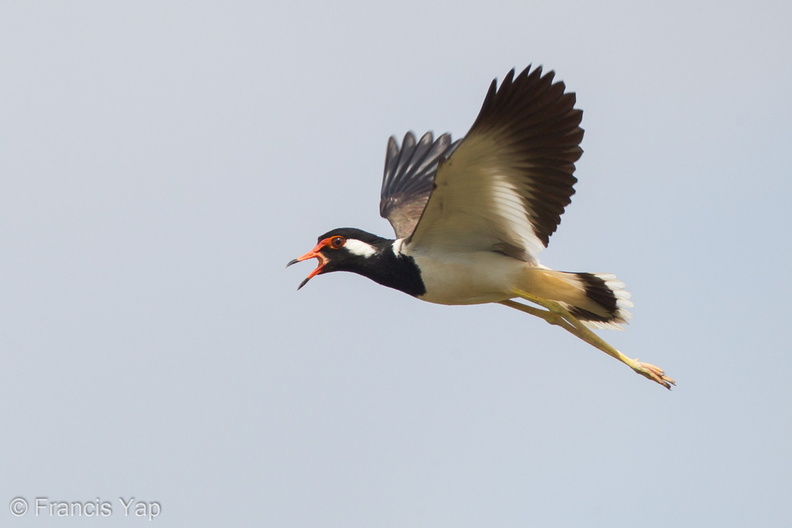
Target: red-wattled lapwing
{"type": "Point", "coordinates": [472, 215]}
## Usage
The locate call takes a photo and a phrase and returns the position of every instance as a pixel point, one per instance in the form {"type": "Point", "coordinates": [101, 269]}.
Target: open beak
{"type": "Point", "coordinates": [314, 253]}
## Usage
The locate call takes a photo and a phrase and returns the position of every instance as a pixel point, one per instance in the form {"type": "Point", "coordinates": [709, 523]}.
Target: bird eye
{"type": "Point", "coordinates": [337, 242]}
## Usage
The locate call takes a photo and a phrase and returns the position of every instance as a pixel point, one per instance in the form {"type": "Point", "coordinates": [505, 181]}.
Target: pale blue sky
{"type": "Point", "coordinates": [162, 161]}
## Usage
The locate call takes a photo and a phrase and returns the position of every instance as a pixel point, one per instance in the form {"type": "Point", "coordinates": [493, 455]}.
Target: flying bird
{"type": "Point", "coordinates": [471, 216]}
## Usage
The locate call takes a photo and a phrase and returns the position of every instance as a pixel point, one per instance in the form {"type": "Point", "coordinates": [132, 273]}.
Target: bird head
{"type": "Point", "coordinates": [342, 249]}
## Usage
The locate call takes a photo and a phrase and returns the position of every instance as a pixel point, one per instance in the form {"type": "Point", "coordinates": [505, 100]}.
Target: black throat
{"type": "Point", "coordinates": [392, 270]}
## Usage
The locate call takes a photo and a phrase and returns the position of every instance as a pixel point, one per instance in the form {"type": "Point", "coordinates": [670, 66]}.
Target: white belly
{"type": "Point", "coordinates": [468, 278]}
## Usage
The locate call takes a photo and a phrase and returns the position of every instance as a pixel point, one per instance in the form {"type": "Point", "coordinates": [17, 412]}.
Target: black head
{"type": "Point", "coordinates": [342, 249]}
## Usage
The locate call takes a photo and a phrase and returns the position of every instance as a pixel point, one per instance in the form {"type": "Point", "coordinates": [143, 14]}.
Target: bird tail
{"type": "Point", "coordinates": [599, 300]}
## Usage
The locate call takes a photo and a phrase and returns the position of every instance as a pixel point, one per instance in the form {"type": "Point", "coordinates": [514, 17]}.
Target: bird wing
{"type": "Point", "coordinates": [507, 183]}
{"type": "Point", "coordinates": [407, 180]}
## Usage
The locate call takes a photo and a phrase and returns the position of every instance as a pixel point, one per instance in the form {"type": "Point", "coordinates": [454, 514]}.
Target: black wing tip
{"type": "Point", "coordinates": [532, 95]}
{"type": "Point", "coordinates": [410, 140]}
{"type": "Point", "coordinates": [409, 174]}
{"type": "Point", "coordinates": [530, 75]}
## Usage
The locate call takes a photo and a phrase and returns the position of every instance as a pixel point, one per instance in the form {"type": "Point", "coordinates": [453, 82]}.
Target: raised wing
{"type": "Point", "coordinates": [506, 185]}
{"type": "Point", "coordinates": [408, 177]}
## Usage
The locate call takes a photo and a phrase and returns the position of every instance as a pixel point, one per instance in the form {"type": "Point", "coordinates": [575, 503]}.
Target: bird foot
{"type": "Point", "coordinates": [653, 373]}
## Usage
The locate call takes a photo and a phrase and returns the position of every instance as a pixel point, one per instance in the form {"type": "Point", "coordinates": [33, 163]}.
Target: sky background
{"type": "Point", "coordinates": [160, 163]}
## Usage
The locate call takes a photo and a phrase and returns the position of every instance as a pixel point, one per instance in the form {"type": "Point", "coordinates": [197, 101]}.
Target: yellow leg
{"type": "Point", "coordinates": [550, 317]}
{"type": "Point", "coordinates": [556, 314]}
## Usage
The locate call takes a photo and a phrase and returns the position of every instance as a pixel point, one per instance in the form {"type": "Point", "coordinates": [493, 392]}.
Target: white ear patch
{"type": "Point", "coordinates": [357, 247]}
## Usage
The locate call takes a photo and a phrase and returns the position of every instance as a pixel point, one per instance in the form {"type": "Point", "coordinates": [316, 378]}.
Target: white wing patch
{"type": "Point", "coordinates": [480, 203]}
{"type": "Point", "coordinates": [510, 206]}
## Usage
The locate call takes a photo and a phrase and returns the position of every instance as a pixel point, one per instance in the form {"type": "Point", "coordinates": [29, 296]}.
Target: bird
{"type": "Point", "coordinates": [472, 215]}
